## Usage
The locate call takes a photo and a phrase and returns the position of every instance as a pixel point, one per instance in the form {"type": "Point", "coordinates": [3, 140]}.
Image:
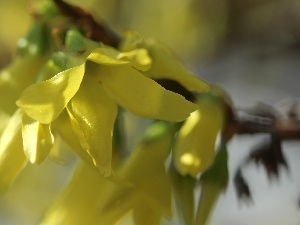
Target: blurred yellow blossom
{"type": "Point", "coordinates": [194, 149]}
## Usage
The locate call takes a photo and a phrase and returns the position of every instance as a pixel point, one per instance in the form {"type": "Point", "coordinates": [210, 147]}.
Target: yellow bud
{"type": "Point", "coordinates": [194, 148]}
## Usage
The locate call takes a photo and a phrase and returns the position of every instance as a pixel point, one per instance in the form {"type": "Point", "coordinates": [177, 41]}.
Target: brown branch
{"type": "Point", "coordinates": [93, 30]}
{"type": "Point", "coordinates": [285, 126]}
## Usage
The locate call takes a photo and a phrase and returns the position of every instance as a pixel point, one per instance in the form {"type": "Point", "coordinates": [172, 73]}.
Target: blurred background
{"type": "Point", "coordinates": [251, 48]}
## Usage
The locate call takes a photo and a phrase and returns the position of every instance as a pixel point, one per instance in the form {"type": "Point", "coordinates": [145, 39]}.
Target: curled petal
{"type": "Point", "coordinates": [166, 66]}
{"type": "Point", "coordinates": [95, 114]}
{"type": "Point", "coordinates": [139, 58]}
{"type": "Point", "coordinates": [64, 127]}
{"type": "Point", "coordinates": [37, 139]}
{"type": "Point", "coordinates": [106, 56]}
{"type": "Point", "coordinates": [143, 96]}
{"type": "Point", "coordinates": [12, 157]}
{"type": "Point", "coordinates": [45, 100]}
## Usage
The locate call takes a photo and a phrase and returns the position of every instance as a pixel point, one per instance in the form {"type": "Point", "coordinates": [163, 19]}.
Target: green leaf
{"type": "Point", "coordinates": [37, 139]}
{"type": "Point", "coordinates": [184, 196]}
{"type": "Point", "coordinates": [37, 41]}
{"type": "Point", "coordinates": [213, 183]}
{"type": "Point", "coordinates": [77, 44]}
{"type": "Point", "coordinates": [45, 100]}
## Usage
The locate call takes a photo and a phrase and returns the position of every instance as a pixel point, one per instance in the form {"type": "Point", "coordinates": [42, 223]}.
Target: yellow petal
{"type": "Point", "coordinates": [15, 78]}
{"type": "Point", "coordinates": [95, 114]}
{"type": "Point", "coordinates": [63, 126]}
{"type": "Point", "coordinates": [145, 171]}
{"type": "Point", "coordinates": [106, 56]}
{"type": "Point", "coordinates": [45, 100]}
{"type": "Point", "coordinates": [12, 157]}
{"type": "Point", "coordinates": [138, 58]}
{"type": "Point", "coordinates": [37, 139]}
{"type": "Point", "coordinates": [142, 96]}
{"type": "Point", "coordinates": [166, 66]}
{"type": "Point", "coordinates": [194, 148]}
{"type": "Point", "coordinates": [143, 211]}
{"type": "Point", "coordinates": [78, 203]}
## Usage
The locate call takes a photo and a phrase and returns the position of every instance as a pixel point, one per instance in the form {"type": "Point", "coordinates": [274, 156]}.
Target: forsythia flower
{"type": "Point", "coordinates": [164, 63]}
{"type": "Point", "coordinates": [146, 188]}
{"type": "Point", "coordinates": [79, 203]}
{"type": "Point", "coordinates": [90, 93]}
{"type": "Point", "coordinates": [33, 52]}
{"type": "Point", "coordinates": [12, 158]}
{"type": "Point", "coordinates": [140, 187]}
{"type": "Point", "coordinates": [194, 148]}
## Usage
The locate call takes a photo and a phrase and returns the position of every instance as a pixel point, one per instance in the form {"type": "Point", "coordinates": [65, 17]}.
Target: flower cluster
{"type": "Point", "coordinates": [77, 94]}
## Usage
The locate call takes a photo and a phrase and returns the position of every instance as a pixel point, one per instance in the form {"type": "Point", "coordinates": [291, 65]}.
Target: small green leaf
{"type": "Point", "coordinates": [213, 183]}
{"type": "Point", "coordinates": [79, 45]}
{"type": "Point", "coordinates": [184, 196]}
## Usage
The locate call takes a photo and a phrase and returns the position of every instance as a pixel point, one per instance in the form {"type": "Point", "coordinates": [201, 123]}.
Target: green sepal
{"type": "Point", "coordinates": [183, 189]}
{"type": "Point", "coordinates": [213, 182]}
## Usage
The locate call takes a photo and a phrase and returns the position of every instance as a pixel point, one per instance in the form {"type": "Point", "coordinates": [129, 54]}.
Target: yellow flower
{"type": "Point", "coordinates": [194, 148]}
{"type": "Point", "coordinates": [145, 187]}
{"type": "Point", "coordinates": [139, 187]}
{"type": "Point", "coordinates": [79, 202]}
{"type": "Point", "coordinates": [12, 158]}
{"type": "Point", "coordinates": [90, 93]}
{"type": "Point", "coordinates": [23, 70]}
{"type": "Point", "coordinates": [164, 64]}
